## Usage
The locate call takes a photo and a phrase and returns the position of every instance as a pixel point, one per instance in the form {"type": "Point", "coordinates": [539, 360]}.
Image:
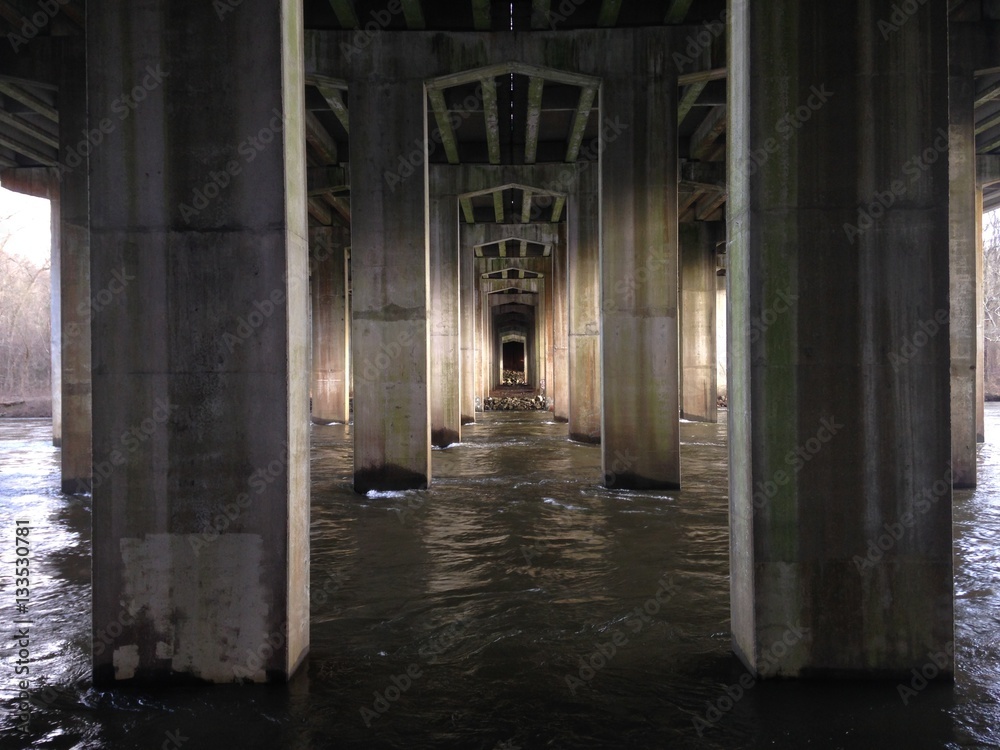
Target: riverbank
{"type": "Point", "coordinates": [21, 407]}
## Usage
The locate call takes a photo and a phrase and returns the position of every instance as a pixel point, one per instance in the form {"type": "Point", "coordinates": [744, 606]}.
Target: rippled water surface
{"type": "Point", "coordinates": [517, 604]}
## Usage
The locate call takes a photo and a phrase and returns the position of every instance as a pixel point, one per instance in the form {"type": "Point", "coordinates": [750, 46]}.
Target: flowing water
{"type": "Point", "coordinates": [516, 604]}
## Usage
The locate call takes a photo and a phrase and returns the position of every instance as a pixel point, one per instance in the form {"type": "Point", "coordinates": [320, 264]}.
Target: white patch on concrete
{"type": "Point", "coordinates": [126, 662]}
{"type": "Point", "coordinates": [210, 611]}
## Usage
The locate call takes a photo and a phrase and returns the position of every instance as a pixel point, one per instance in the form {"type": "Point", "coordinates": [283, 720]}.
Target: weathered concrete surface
{"type": "Point", "coordinates": [201, 494]}
{"type": "Point", "coordinates": [639, 336]}
{"type": "Point", "coordinates": [838, 445]}
{"type": "Point", "coordinates": [966, 282]}
{"type": "Point", "coordinates": [699, 394]}
{"type": "Point", "coordinates": [80, 303]}
{"type": "Point", "coordinates": [584, 297]}
{"type": "Point", "coordinates": [331, 319]}
{"type": "Point", "coordinates": [444, 308]}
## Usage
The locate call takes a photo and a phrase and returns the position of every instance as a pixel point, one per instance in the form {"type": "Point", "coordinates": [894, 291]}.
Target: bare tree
{"type": "Point", "coordinates": [25, 358]}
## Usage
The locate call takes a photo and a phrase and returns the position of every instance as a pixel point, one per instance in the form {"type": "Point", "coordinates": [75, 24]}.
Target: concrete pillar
{"type": "Point", "coordinates": [964, 252]}
{"type": "Point", "coordinates": [641, 431]}
{"type": "Point", "coordinates": [55, 312]}
{"type": "Point", "coordinates": [467, 324]}
{"type": "Point", "coordinates": [560, 333]}
{"type": "Point", "coordinates": [840, 500]}
{"type": "Point", "coordinates": [389, 256]}
{"type": "Point", "coordinates": [201, 360]}
{"type": "Point", "coordinates": [331, 319]}
{"type": "Point", "coordinates": [699, 395]}
{"type": "Point", "coordinates": [583, 292]}
{"type": "Point", "coordinates": [77, 306]}
{"type": "Point", "coordinates": [721, 356]}
{"type": "Point", "coordinates": [445, 329]}
{"type": "Point", "coordinates": [980, 325]}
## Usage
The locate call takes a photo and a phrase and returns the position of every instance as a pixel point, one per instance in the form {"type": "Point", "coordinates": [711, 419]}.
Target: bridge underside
{"type": "Point", "coordinates": [269, 212]}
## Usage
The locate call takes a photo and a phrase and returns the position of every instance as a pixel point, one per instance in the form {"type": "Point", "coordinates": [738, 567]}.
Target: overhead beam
{"type": "Point", "coordinates": [341, 205]}
{"type": "Point", "coordinates": [319, 211]}
{"type": "Point", "coordinates": [541, 11]}
{"type": "Point", "coordinates": [27, 151]}
{"type": "Point", "coordinates": [557, 209]}
{"type": "Point", "coordinates": [609, 13]}
{"type": "Point", "coordinates": [703, 76]}
{"type": "Point", "coordinates": [28, 129]}
{"type": "Point", "coordinates": [4, 162]}
{"type": "Point", "coordinates": [988, 95]}
{"type": "Point", "coordinates": [526, 207]}
{"type": "Point", "coordinates": [12, 16]}
{"type": "Point", "coordinates": [524, 250]}
{"type": "Point", "coordinates": [500, 70]}
{"type": "Point", "coordinates": [448, 139]}
{"type": "Point", "coordinates": [414, 13]}
{"type": "Point", "coordinates": [535, 91]}
{"type": "Point", "coordinates": [481, 15]}
{"type": "Point", "coordinates": [467, 210]}
{"type": "Point", "coordinates": [29, 100]}
{"type": "Point", "coordinates": [492, 115]}
{"type": "Point", "coordinates": [503, 248]}
{"type": "Point", "coordinates": [677, 11]}
{"type": "Point", "coordinates": [346, 15]}
{"type": "Point", "coordinates": [320, 140]}
{"type": "Point", "coordinates": [995, 144]}
{"type": "Point", "coordinates": [990, 122]}
{"type": "Point", "coordinates": [708, 133]}
{"type": "Point", "coordinates": [513, 186]}
{"type": "Point", "coordinates": [691, 95]}
{"type": "Point", "coordinates": [335, 99]}
{"type": "Point", "coordinates": [580, 120]}
{"type": "Point", "coordinates": [327, 179]}
{"type": "Point", "coordinates": [498, 206]}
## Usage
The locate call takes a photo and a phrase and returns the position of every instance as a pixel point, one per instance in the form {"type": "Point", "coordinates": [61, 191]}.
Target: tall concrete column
{"type": "Point", "coordinates": [583, 292]}
{"type": "Point", "coordinates": [641, 431]}
{"type": "Point", "coordinates": [389, 257]}
{"type": "Point", "coordinates": [560, 337]}
{"type": "Point", "coordinates": [840, 499]}
{"type": "Point", "coordinates": [467, 312]}
{"type": "Point", "coordinates": [980, 324]}
{"type": "Point", "coordinates": [445, 341]}
{"type": "Point", "coordinates": [201, 359]}
{"type": "Point", "coordinates": [965, 281]}
{"type": "Point", "coordinates": [699, 394]}
{"type": "Point", "coordinates": [331, 319]}
{"type": "Point", "coordinates": [55, 312]}
{"type": "Point", "coordinates": [77, 306]}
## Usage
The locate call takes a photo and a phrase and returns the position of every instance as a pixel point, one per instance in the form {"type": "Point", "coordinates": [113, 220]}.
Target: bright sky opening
{"type": "Point", "coordinates": [25, 223]}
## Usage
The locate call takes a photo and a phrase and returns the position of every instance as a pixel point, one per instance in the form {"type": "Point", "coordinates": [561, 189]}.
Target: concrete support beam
{"type": "Point", "coordinates": [536, 89]}
{"type": "Point", "coordinates": [201, 358]}
{"type": "Point", "coordinates": [492, 114]}
{"type": "Point", "coordinates": [584, 291]}
{"type": "Point", "coordinates": [677, 11]}
{"type": "Point", "coordinates": [441, 116]}
{"type": "Point", "coordinates": [639, 335]}
{"type": "Point", "coordinates": [444, 309]}
{"type": "Point", "coordinates": [77, 305]}
{"type": "Point", "coordinates": [389, 261]}
{"type": "Point", "coordinates": [834, 439]}
{"type": "Point", "coordinates": [331, 322]}
{"type": "Point", "coordinates": [966, 287]}
{"type": "Point", "coordinates": [699, 394]}
{"type": "Point", "coordinates": [580, 120]}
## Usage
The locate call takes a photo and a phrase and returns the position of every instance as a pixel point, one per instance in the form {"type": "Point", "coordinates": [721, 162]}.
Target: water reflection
{"type": "Point", "coordinates": [516, 604]}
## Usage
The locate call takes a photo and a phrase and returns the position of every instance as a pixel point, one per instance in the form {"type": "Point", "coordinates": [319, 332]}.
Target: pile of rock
{"type": "Point", "coordinates": [510, 403]}
{"type": "Point", "coordinates": [512, 377]}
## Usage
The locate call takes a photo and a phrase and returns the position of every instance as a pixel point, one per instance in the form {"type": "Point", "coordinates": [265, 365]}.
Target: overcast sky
{"type": "Point", "coordinates": [26, 221]}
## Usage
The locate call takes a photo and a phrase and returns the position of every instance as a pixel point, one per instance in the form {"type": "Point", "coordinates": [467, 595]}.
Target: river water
{"type": "Point", "coordinates": [517, 604]}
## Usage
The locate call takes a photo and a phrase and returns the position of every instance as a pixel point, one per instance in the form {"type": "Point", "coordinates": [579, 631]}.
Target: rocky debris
{"type": "Point", "coordinates": [512, 377]}
{"type": "Point", "coordinates": [513, 403]}
{"type": "Point", "coordinates": [723, 402]}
